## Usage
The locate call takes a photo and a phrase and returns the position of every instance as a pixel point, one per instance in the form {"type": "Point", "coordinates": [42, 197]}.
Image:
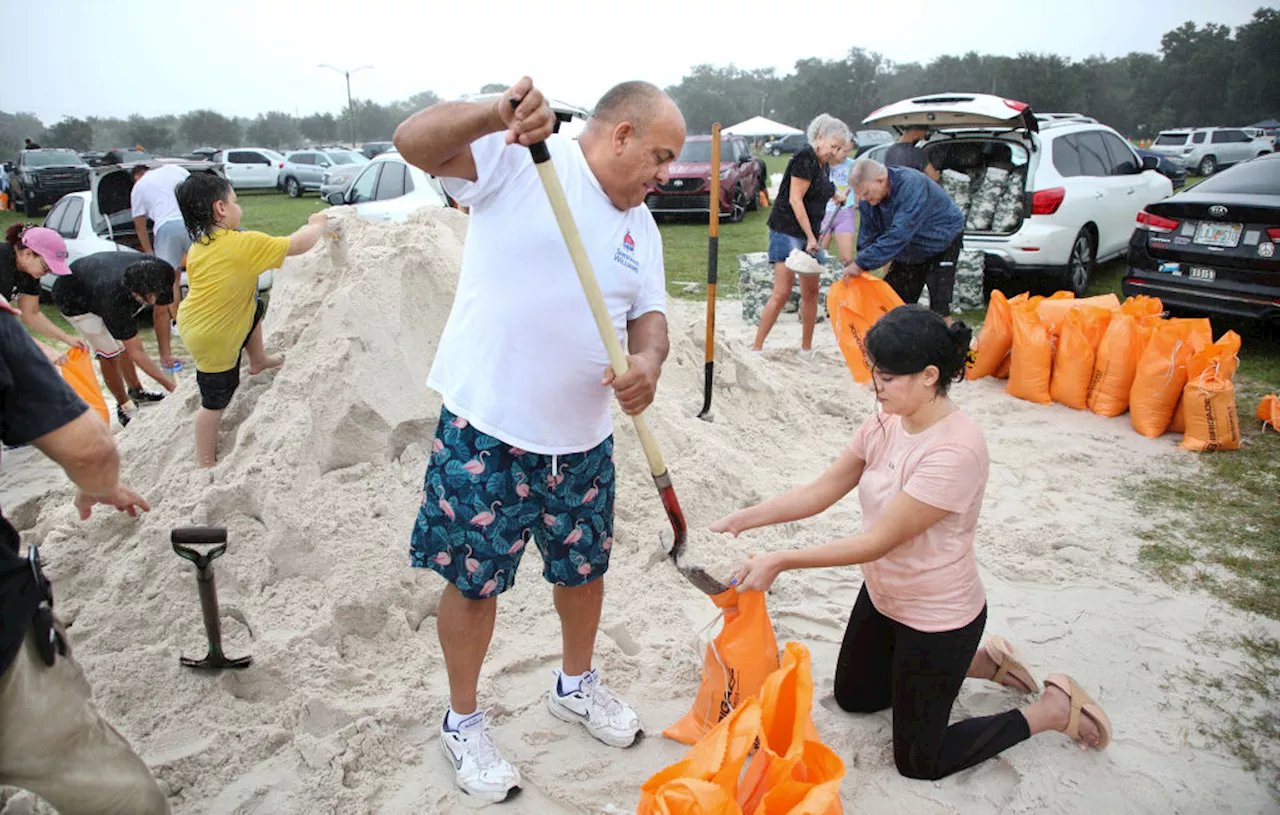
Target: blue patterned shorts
{"type": "Point", "coordinates": [483, 500]}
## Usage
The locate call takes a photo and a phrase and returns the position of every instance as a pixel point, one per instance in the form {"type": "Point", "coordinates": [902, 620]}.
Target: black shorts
{"type": "Point", "coordinates": [937, 272]}
{"type": "Point", "coordinates": [217, 389]}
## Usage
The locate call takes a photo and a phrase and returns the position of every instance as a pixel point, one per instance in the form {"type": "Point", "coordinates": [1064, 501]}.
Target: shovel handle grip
{"type": "Point", "coordinates": [198, 534]}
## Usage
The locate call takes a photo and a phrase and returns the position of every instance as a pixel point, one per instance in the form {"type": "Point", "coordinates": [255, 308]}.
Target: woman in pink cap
{"type": "Point", "coordinates": [28, 254]}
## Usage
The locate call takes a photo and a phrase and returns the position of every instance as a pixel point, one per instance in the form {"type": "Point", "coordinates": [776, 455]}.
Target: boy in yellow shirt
{"type": "Point", "coordinates": [222, 314]}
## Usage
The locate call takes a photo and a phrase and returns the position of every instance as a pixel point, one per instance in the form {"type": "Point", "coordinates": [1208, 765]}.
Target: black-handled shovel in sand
{"type": "Point", "coordinates": [591, 287]}
{"type": "Point", "coordinates": [182, 539]}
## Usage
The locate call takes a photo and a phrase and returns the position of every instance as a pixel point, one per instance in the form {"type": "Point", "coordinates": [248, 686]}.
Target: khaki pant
{"type": "Point", "coordinates": [54, 743]}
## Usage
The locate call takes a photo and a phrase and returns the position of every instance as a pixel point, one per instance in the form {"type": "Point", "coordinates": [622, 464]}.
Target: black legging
{"type": "Point", "coordinates": [883, 663]}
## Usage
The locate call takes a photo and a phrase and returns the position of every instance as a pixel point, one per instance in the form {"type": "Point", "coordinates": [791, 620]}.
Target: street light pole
{"type": "Point", "coordinates": [351, 114]}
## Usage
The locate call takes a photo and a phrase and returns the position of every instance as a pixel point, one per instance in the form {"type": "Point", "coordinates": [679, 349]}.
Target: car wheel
{"type": "Point", "coordinates": [753, 202]}
{"type": "Point", "coordinates": [30, 207]}
{"type": "Point", "coordinates": [1080, 264]}
{"type": "Point", "coordinates": [738, 207]}
{"type": "Point", "coordinates": [1264, 153]}
{"type": "Point", "coordinates": [1207, 166]}
{"type": "Point", "coordinates": [292, 188]}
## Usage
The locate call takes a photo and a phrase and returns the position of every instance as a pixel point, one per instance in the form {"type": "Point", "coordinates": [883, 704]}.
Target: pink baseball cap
{"type": "Point", "coordinates": [50, 246]}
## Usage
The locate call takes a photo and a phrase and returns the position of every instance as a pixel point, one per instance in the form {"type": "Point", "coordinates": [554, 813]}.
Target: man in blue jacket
{"type": "Point", "coordinates": [908, 220]}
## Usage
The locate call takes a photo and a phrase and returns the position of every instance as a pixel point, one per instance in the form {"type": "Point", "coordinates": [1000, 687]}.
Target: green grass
{"type": "Point", "coordinates": [684, 246]}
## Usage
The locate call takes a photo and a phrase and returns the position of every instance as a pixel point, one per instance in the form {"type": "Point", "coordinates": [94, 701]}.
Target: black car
{"type": "Point", "coordinates": [375, 148]}
{"type": "Point", "coordinates": [40, 177]}
{"type": "Point", "coordinates": [787, 144]}
{"type": "Point", "coordinates": [1174, 172]}
{"type": "Point", "coordinates": [125, 155]}
{"type": "Point", "coordinates": [1213, 248]}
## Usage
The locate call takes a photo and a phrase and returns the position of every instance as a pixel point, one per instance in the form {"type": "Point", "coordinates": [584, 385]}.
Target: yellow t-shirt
{"type": "Point", "coordinates": [222, 280]}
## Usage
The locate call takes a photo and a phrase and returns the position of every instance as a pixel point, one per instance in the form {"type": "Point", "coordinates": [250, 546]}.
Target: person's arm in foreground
{"type": "Point", "coordinates": [800, 502]}
{"type": "Point", "coordinates": [54, 356]}
{"type": "Point", "coordinates": [438, 139]}
{"type": "Point", "coordinates": [905, 518]}
{"type": "Point", "coordinates": [647, 344]}
{"type": "Point", "coordinates": [86, 450]}
{"type": "Point", "coordinates": [306, 237]}
{"type": "Point", "coordinates": [34, 319]}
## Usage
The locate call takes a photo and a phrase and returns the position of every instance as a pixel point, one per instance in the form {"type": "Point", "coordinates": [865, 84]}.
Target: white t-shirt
{"type": "Point", "coordinates": [520, 357]}
{"type": "Point", "coordinates": [153, 195]}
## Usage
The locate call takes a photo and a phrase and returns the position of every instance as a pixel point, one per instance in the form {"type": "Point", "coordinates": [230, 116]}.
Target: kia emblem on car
{"type": "Point", "coordinates": [1218, 211]}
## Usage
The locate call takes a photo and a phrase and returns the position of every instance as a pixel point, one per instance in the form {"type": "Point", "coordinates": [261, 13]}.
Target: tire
{"type": "Point", "coordinates": [753, 203]}
{"type": "Point", "coordinates": [773, 151]}
{"type": "Point", "coordinates": [1084, 252]}
{"type": "Point", "coordinates": [30, 207]}
{"type": "Point", "coordinates": [1207, 166]}
{"type": "Point", "coordinates": [292, 188]}
{"type": "Point", "coordinates": [738, 205]}
{"type": "Point", "coordinates": [1264, 153]}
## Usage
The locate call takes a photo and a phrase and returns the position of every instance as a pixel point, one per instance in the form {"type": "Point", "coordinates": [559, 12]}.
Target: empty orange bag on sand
{"type": "Point", "coordinates": [1073, 356]}
{"type": "Point", "coordinates": [1031, 367]}
{"type": "Point", "coordinates": [995, 338]}
{"type": "Point", "coordinates": [688, 796]}
{"type": "Point", "coordinates": [738, 661]}
{"type": "Point", "coordinates": [854, 306]}
{"type": "Point", "coordinates": [78, 371]}
{"type": "Point", "coordinates": [1269, 411]}
{"type": "Point", "coordinates": [1054, 310]}
{"type": "Point", "coordinates": [792, 760]}
{"type": "Point", "coordinates": [716, 759]}
{"type": "Point", "coordinates": [1162, 373]}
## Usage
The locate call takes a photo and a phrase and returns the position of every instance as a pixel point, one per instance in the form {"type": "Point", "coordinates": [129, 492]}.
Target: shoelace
{"type": "Point", "coordinates": [483, 747]}
{"type": "Point", "coordinates": [603, 700]}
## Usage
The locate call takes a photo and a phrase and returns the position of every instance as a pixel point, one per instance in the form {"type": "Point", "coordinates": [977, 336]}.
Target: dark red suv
{"type": "Point", "coordinates": [688, 189]}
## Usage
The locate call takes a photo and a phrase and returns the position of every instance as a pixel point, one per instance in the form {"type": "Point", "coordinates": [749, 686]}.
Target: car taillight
{"type": "Point", "coordinates": [1156, 223]}
{"type": "Point", "coordinates": [1016, 105]}
{"type": "Point", "coordinates": [1274, 233]}
{"type": "Point", "coordinates": [1046, 202]}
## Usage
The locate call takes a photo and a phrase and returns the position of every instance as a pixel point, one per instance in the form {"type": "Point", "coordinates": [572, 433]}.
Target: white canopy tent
{"type": "Point", "coordinates": [758, 126]}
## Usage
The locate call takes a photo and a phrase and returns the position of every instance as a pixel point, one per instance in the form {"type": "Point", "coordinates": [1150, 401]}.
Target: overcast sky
{"type": "Point", "coordinates": [244, 57]}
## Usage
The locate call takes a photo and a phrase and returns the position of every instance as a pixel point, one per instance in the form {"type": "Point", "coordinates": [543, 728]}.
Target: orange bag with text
{"type": "Point", "coordinates": [854, 306]}
{"type": "Point", "coordinates": [1031, 367]}
{"type": "Point", "coordinates": [1082, 330]}
{"type": "Point", "coordinates": [1209, 399]}
{"type": "Point", "coordinates": [1269, 411]}
{"type": "Point", "coordinates": [78, 371]}
{"type": "Point", "coordinates": [1162, 373]}
{"type": "Point", "coordinates": [738, 661]}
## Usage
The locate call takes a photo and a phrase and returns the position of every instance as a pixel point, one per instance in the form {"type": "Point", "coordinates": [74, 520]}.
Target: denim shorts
{"type": "Point", "coordinates": [484, 501]}
{"type": "Point", "coordinates": [780, 246]}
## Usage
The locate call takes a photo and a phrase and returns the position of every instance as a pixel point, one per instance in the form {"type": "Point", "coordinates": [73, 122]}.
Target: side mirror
{"type": "Point", "coordinates": [323, 164]}
{"type": "Point", "coordinates": [1150, 163]}
{"type": "Point", "coordinates": [336, 199]}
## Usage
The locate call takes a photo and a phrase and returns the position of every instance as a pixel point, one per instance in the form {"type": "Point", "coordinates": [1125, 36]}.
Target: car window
{"type": "Point", "coordinates": [1122, 158]}
{"type": "Point", "coordinates": [54, 219]}
{"type": "Point", "coordinates": [1171, 139]}
{"type": "Point", "coordinates": [391, 182]}
{"type": "Point", "coordinates": [246, 157]}
{"type": "Point", "coordinates": [1239, 137]}
{"type": "Point", "coordinates": [362, 190]}
{"type": "Point", "coordinates": [1221, 136]}
{"type": "Point", "coordinates": [303, 158]}
{"type": "Point", "coordinates": [344, 157]}
{"type": "Point", "coordinates": [70, 225]}
{"type": "Point", "coordinates": [1198, 138]}
{"type": "Point", "coordinates": [1257, 177]}
{"type": "Point", "coordinates": [1094, 160]}
{"type": "Point", "coordinates": [1066, 157]}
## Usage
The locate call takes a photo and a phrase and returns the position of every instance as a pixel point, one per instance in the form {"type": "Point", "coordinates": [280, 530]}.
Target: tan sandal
{"type": "Point", "coordinates": [1001, 653]}
{"type": "Point", "coordinates": [1082, 702]}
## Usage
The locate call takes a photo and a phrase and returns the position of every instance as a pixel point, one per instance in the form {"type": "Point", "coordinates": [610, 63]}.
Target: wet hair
{"type": "Point", "coordinates": [636, 102]}
{"type": "Point", "coordinates": [196, 197]}
{"type": "Point", "coordinates": [826, 126]}
{"type": "Point", "coordinates": [13, 235]}
{"type": "Point", "coordinates": [151, 275]}
{"type": "Point", "coordinates": [911, 338]}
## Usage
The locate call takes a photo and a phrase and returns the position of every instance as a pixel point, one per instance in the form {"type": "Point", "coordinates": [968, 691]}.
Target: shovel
{"type": "Point", "coordinates": [215, 660]}
{"type": "Point", "coordinates": [590, 286]}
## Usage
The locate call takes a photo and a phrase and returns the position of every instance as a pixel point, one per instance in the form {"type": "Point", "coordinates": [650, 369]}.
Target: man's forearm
{"type": "Point", "coordinates": [160, 320]}
{"type": "Point", "coordinates": [431, 139]}
{"type": "Point", "coordinates": [85, 449]}
{"type": "Point", "coordinates": [647, 336]}
{"type": "Point", "coordinates": [37, 322]}
{"type": "Point", "coordinates": [144, 239]}
{"type": "Point", "coordinates": [143, 360]}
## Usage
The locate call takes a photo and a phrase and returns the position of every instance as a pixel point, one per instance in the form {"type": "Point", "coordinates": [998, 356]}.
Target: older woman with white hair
{"type": "Point", "coordinates": [795, 220]}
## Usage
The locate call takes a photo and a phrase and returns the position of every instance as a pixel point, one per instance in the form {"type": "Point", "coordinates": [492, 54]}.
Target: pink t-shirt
{"type": "Point", "coordinates": [930, 582]}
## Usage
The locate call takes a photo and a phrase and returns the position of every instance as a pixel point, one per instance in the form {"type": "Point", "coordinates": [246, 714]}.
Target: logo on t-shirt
{"type": "Point", "coordinates": [626, 254]}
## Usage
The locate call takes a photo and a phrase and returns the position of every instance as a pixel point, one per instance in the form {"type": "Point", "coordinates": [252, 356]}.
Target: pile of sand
{"type": "Point", "coordinates": [319, 482]}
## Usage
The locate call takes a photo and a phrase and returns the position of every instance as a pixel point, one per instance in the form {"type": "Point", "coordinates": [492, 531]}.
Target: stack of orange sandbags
{"type": "Point", "coordinates": [1162, 373]}
{"type": "Point", "coordinates": [1209, 398]}
{"type": "Point", "coordinates": [1119, 352]}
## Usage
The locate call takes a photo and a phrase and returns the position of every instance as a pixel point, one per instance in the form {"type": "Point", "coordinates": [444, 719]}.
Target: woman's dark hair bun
{"type": "Point", "coordinates": [911, 338]}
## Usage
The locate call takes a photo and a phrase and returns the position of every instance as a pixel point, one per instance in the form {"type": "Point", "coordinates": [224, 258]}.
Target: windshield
{"type": "Point", "coordinates": [52, 158]}
{"type": "Point", "coordinates": [695, 151]}
{"type": "Point", "coordinates": [346, 158]}
{"type": "Point", "coordinates": [1257, 177]}
{"type": "Point", "coordinates": [1171, 139]}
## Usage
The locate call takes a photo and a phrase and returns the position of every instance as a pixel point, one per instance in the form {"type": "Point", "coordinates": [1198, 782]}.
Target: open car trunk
{"type": "Point", "coordinates": [987, 178]}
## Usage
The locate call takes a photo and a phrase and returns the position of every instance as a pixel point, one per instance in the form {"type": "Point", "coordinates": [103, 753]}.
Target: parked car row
{"type": "Point", "coordinates": [1205, 150]}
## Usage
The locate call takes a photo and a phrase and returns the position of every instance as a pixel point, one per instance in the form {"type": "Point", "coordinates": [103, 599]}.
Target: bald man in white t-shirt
{"type": "Point", "coordinates": [524, 448]}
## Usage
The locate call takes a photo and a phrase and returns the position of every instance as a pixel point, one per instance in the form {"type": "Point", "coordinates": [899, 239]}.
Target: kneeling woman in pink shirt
{"type": "Point", "coordinates": [920, 468]}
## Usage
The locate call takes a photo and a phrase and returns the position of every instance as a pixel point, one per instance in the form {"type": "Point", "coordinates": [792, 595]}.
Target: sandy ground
{"type": "Point", "coordinates": [320, 481]}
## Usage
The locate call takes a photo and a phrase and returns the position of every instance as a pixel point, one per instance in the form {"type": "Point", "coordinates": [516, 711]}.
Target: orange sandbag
{"type": "Point", "coordinates": [1269, 411]}
{"type": "Point", "coordinates": [1209, 410]}
{"type": "Point", "coordinates": [78, 371]}
{"type": "Point", "coordinates": [688, 796]}
{"type": "Point", "coordinates": [1073, 358]}
{"type": "Point", "coordinates": [1200, 340]}
{"type": "Point", "coordinates": [854, 306]}
{"type": "Point", "coordinates": [1006, 365]}
{"type": "Point", "coordinates": [1031, 367]}
{"type": "Point", "coordinates": [996, 337]}
{"type": "Point", "coordinates": [1178, 424]}
{"type": "Point", "coordinates": [717, 759]}
{"type": "Point", "coordinates": [1220, 355]}
{"type": "Point", "coordinates": [1116, 365]}
{"type": "Point", "coordinates": [1160, 378]}
{"type": "Point", "coordinates": [791, 760]}
{"type": "Point", "coordinates": [737, 663]}
{"type": "Point", "coordinates": [1054, 310]}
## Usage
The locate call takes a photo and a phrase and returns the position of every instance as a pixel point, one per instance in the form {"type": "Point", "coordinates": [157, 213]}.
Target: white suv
{"type": "Point", "coordinates": [1073, 191]}
{"type": "Point", "coordinates": [1206, 150]}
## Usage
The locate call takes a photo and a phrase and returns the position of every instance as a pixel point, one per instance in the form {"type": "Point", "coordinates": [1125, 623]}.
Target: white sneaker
{"type": "Point", "coordinates": [596, 708]}
{"type": "Point", "coordinates": [479, 769]}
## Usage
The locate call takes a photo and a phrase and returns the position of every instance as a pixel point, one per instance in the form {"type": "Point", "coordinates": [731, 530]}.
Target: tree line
{"type": "Point", "coordinates": [1210, 75]}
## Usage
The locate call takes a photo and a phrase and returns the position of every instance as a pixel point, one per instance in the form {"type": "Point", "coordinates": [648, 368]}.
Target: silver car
{"type": "Point", "coordinates": [1205, 150]}
{"type": "Point", "coordinates": [305, 170]}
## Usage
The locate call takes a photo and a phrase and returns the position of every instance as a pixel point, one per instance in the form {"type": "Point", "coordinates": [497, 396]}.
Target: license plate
{"type": "Point", "coordinates": [1223, 235]}
{"type": "Point", "coordinates": [1201, 273]}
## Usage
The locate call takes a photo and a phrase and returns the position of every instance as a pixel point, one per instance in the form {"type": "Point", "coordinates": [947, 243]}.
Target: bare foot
{"type": "Point", "coordinates": [267, 364]}
{"type": "Point", "coordinates": [984, 667]}
{"type": "Point", "coordinates": [1058, 705]}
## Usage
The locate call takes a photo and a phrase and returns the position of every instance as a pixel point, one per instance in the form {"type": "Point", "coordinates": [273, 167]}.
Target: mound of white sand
{"type": "Point", "coordinates": [319, 483]}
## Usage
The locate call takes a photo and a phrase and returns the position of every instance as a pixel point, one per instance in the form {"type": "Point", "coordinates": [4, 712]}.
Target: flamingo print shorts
{"type": "Point", "coordinates": [484, 500]}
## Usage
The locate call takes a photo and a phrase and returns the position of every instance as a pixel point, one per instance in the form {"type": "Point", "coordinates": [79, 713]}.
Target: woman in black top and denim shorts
{"type": "Point", "coordinates": [794, 222]}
